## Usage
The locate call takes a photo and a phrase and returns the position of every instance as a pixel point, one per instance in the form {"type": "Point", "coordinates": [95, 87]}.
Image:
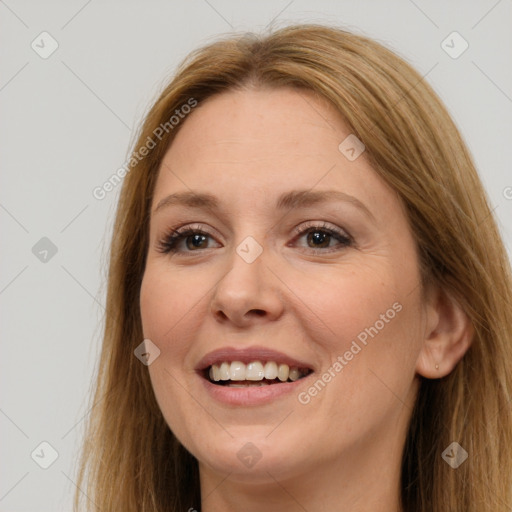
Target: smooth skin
{"type": "Point", "coordinates": [307, 297]}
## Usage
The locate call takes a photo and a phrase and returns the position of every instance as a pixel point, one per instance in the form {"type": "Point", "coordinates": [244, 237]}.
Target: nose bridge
{"type": "Point", "coordinates": [246, 288]}
{"type": "Point", "coordinates": [244, 278]}
{"type": "Point", "coordinates": [250, 250]}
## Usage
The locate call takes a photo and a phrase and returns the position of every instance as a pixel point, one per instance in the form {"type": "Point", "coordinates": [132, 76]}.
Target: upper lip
{"type": "Point", "coordinates": [248, 355]}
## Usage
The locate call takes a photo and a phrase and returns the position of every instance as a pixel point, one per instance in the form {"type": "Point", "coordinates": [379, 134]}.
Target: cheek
{"type": "Point", "coordinates": [166, 312]}
{"type": "Point", "coordinates": [166, 299]}
{"type": "Point", "coordinates": [378, 355]}
{"type": "Point", "coordinates": [345, 301]}
{"type": "Point", "coordinates": [368, 320]}
{"type": "Point", "coordinates": [171, 311]}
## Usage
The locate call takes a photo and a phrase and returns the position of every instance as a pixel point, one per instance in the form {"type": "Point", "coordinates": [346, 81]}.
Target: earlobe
{"type": "Point", "coordinates": [447, 337]}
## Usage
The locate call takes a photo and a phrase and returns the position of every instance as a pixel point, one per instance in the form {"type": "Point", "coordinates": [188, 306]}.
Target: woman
{"type": "Point", "coordinates": [307, 251]}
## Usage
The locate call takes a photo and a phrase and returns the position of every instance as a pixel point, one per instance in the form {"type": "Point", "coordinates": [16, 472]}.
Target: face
{"type": "Point", "coordinates": [316, 293]}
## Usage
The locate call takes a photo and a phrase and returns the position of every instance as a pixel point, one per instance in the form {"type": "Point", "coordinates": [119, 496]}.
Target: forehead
{"type": "Point", "coordinates": [249, 121]}
{"type": "Point", "coordinates": [249, 145]}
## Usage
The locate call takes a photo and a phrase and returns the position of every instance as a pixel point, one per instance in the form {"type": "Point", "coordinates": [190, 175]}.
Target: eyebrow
{"type": "Point", "coordinates": [293, 199]}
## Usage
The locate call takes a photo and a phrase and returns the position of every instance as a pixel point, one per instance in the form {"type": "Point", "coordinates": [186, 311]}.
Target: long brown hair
{"type": "Point", "coordinates": [131, 461]}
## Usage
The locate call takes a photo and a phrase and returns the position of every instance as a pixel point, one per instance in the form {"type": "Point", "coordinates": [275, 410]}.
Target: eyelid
{"type": "Point", "coordinates": [343, 237]}
{"type": "Point", "coordinates": [320, 225]}
{"type": "Point", "coordinates": [174, 236]}
{"type": "Point", "coordinates": [177, 234]}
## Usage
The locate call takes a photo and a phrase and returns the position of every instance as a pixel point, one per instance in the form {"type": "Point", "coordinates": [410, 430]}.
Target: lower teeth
{"type": "Point", "coordinates": [248, 383]}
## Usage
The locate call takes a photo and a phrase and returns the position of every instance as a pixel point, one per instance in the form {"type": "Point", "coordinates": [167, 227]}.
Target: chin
{"type": "Point", "coordinates": [252, 455]}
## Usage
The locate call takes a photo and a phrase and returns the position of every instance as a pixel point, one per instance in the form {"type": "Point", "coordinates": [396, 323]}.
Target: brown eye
{"type": "Point", "coordinates": [194, 240]}
{"type": "Point", "coordinates": [319, 238]}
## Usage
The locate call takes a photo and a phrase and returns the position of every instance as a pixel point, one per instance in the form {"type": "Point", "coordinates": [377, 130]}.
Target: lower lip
{"type": "Point", "coordinates": [253, 395]}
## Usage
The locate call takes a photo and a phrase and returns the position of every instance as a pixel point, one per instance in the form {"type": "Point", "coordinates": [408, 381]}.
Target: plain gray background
{"type": "Point", "coordinates": [67, 122]}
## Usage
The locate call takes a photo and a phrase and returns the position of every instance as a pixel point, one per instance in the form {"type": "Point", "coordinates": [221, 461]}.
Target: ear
{"type": "Point", "coordinates": [448, 335]}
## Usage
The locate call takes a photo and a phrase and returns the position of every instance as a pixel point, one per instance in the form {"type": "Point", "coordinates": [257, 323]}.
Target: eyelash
{"type": "Point", "coordinates": [168, 243]}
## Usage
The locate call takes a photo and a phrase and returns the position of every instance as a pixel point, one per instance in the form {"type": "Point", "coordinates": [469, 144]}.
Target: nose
{"type": "Point", "coordinates": [247, 293]}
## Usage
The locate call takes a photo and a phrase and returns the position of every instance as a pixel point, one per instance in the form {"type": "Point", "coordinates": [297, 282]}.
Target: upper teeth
{"type": "Point", "coordinates": [255, 370]}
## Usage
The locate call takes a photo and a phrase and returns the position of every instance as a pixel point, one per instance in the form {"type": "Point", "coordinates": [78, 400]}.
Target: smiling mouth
{"type": "Point", "coordinates": [253, 374]}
